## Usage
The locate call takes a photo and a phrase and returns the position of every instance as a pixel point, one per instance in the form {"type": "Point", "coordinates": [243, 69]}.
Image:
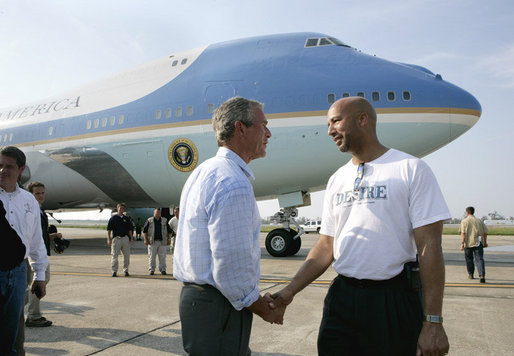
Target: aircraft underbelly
{"type": "Point", "coordinates": [105, 172]}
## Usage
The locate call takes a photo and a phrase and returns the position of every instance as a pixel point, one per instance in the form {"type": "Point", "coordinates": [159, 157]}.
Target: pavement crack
{"type": "Point", "coordinates": [134, 337]}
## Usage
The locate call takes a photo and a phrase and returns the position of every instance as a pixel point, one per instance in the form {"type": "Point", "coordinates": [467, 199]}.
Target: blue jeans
{"type": "Point", "coordinates": [477, 254]}
{"type": "Point", "coordinates": [12, 299]}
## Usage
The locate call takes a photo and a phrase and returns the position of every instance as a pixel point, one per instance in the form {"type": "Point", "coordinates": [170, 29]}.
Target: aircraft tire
{"type": "Point", "coordinates": [278, 242]}
{"type": "Point", "coordinates": [295, 245]}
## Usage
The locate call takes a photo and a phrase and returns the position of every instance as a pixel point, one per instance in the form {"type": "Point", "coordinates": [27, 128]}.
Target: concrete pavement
{"type": "Point", "coordinates": [95, 314]}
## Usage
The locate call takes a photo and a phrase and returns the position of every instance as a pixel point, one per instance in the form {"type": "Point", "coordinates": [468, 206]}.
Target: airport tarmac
{"type": "Point", "coordinates": [95, 314]}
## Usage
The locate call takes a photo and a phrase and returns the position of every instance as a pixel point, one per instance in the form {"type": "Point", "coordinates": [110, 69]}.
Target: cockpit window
{"type": "Point", "coordinates": [311, 42]}
{"type": "Point", "coordinates": [324, 41]}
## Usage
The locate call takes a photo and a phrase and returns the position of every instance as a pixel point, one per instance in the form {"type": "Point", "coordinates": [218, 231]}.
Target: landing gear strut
{"type": "Point", "coordinates": [284, 241]}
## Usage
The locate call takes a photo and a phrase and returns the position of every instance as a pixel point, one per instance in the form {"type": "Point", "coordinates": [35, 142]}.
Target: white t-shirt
{"type": "Point", "coordinates": [173, 223]}
{"type": "Point", "coordinates": [373, 228]}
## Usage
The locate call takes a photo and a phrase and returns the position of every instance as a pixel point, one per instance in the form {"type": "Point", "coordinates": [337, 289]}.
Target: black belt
{"type": "Point", "coordinates": [206, 286]}
{"type": "Point", "coordinates": [370, 283]}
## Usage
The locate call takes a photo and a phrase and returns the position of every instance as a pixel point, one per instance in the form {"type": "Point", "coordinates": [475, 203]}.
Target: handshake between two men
{"type": "Point", "coordinates": [271, 307]}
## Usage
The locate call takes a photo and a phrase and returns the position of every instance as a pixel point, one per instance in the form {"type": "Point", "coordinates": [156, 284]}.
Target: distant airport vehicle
{"type": "Point", "coordinates": [135, 137]}
{"type": "Point", "coordinates": [311, 226]}
{"type": "Point", "coordinates": [499, 222]}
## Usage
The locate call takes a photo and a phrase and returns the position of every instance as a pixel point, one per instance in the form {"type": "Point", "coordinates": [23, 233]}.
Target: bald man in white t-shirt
{"type": "Point", "coordinates": [380, 209]}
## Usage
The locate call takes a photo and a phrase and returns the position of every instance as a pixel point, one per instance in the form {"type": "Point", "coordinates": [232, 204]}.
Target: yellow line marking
{"type": "Point", "coordinates": [277, 281]}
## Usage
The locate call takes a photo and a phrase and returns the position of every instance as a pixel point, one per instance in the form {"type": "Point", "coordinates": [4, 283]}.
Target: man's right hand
{"type": "Point", "coordinates": [261, 307]}
{"type": "Point", "coordinates": [284, 297]}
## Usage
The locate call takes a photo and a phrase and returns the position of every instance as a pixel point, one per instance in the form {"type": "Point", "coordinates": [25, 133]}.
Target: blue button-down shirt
{"type": "Point", "coordinates": [218, 233]}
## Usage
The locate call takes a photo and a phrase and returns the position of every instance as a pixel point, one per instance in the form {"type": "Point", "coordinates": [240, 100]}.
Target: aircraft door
{"type": "Point", "coordinates": [216, 94]}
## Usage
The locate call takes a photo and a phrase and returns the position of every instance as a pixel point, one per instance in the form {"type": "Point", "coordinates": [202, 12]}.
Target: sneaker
{"type": "Point", "coordinates": [470, 276]}
{"type": "Point", "coordinates": [38, 323]}
{"type": "Point", "coordinates": [163, 273]}
{"type": "Point", "coordinates": [482, 279]}
{"type": "Point", "coordinates": [114, 274]}
{"type": "Point", "coordinates": [127, 274]}
{"type": "Point", "coordinates": [152, 273]}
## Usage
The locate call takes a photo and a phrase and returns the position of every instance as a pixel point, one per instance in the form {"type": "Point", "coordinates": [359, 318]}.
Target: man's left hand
{"type": "Point", "coordinates": [432, 340]}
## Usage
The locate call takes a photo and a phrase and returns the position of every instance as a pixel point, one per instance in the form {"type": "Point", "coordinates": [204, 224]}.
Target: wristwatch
{"type": "Point", "coordinates": [434, 319]}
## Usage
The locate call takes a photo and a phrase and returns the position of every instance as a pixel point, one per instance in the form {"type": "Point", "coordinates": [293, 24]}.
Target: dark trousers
{"type": "Point", "coordinates": [362, 318]}
{"type": "Point", "coordinates": [211, 325]}
{"type": "Point", "coordinates": [476, 254]}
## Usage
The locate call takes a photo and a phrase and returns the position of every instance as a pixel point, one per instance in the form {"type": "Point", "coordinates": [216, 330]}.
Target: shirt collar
{"type": "Point", "coordinates": [231, 155]}
{"type": "Point", "coordinates": [16, 190]}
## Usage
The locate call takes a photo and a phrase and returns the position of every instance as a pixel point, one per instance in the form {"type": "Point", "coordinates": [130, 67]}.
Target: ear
{"type": "Point", "coordinates": [239, 128]}
{"type": "Point", "coordinates": [363, 119]}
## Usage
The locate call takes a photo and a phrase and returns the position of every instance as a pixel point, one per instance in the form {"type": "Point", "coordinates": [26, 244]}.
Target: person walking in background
{"type": "Point", "coordinates": [470, 230]}
{"type": "Point", "coordinates": [157, 235]}
{"type": "Point", "coordinates": [174, 228]}
{"type": "Point", "coordinates": [34, 316]}
{"type": "Point", "coordinates": [139, 228]}
{"type": "Point", "coordinates": [121, 228]}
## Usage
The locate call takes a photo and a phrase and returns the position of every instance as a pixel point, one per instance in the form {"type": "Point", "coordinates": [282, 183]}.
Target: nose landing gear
{"type": "Point", "coordinates": [284, 241]}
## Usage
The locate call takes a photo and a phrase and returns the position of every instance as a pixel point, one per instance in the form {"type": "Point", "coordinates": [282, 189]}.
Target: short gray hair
{"type": "Point", "coordinates": [232, 110]}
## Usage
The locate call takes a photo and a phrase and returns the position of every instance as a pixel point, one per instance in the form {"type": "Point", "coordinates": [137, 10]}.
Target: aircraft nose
{"type": "Point", "coordinates": [465, 110]}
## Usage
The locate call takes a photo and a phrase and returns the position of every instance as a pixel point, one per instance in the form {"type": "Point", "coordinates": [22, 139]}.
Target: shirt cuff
{"type": "Point", "coordinates": [40, 273]}
{"type": "Point", "coordinates": [247, 300]}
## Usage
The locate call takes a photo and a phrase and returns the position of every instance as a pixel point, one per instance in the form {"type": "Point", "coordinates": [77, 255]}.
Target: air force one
{"type": "Point", "coordinates": [137, 135]}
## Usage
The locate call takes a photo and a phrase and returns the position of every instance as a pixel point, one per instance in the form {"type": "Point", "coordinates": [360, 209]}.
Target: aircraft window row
{"type": "Point", "coordinates": [324, 41]}
{"type": "Point", "coordinates": [178, 112]}
{"type": "Point", "coordinates": [96, 123]}
{"type": "Point", "coordinates": [7, 137]}
{"type": "Point", "coordinates": [375, 96]}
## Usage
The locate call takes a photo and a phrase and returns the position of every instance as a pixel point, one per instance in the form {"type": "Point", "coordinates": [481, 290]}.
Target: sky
{"type": "Point", "coordinates": [50, 46]}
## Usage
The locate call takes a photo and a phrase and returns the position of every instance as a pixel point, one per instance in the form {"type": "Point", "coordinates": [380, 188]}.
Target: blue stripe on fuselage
{"type": "Point", "coordinates": [276, 70]}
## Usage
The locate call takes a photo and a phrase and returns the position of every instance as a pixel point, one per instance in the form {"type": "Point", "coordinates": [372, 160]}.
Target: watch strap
{"type": "Point", "coordinates": [434, 318]}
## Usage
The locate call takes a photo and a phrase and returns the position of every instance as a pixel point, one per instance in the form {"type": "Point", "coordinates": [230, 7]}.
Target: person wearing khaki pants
{"type": "Point", "coordinates": [119, 237]}
{"type": "Point", "coordinates": [157, 236]}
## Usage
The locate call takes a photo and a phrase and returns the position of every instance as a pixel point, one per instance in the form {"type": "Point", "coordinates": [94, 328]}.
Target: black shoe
{"type": "Point", "coordinates": [163, 273]}
{"type": "Point", "coordinates": [38, 323]}
{"type": "Point", "coordinates": [482, 279]}
{"type": "Point", "coordinates": [152, 273]}
{"type": "Point", "coordinates": [127, 274]}
{"type": "Point", "coordinates": [114, 274]}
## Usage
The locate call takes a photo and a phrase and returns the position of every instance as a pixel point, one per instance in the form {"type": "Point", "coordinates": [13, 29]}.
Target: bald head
{"type": "Point", "coordinates": [354, 106]}
{"type": "Point", "coordinates": [352, 125]}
